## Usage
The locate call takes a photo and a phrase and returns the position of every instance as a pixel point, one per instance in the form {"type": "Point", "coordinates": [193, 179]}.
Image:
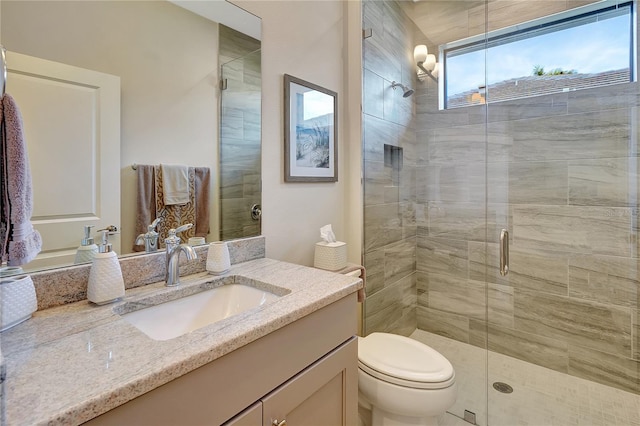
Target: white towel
{"type": "Point", "coordinates": [175, 182]}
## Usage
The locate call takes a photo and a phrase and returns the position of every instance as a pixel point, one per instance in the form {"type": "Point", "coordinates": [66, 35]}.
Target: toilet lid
{"type": "Point", "coordinates": [400, 359]}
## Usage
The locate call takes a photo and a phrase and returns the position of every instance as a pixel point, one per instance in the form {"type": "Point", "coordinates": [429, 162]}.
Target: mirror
{"type": "Point", "coordinates": [171, 60]}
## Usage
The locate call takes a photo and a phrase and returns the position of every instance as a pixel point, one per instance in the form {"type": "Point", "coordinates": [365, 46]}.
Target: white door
{"type": "Point", "coordinates": [72, 128]}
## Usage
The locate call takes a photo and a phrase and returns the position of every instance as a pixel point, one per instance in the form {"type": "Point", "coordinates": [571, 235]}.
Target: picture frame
{"type": "Point", "coordinates": [310, 132]}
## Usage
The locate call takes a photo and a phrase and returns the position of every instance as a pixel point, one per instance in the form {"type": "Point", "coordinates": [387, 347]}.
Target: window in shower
{"type": "Point", "coordinates": [582, 48]}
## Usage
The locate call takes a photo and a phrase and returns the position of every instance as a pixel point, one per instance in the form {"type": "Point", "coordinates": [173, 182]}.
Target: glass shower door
{"type": "Point", "coordinates": [562, 140]}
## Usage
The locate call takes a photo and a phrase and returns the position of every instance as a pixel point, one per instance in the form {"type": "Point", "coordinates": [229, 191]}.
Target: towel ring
{"type": "Point", "coordinates": [3, 70]}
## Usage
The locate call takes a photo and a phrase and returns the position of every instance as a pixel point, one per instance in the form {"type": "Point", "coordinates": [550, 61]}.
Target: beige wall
{"type": "Point", "coordinates": [307, 39]}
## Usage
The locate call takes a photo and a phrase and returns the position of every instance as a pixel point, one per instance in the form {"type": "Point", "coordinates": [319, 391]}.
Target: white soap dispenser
{"type": "Point", "coordinates": [87, 248]}
{"type": "Point", "coordinates": [106, 284]}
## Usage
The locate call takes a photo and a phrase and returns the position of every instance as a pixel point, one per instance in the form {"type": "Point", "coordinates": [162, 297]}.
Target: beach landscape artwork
{"type": "Point", "coordinates": [310, 132]}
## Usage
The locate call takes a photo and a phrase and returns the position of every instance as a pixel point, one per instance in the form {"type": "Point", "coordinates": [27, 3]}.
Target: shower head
{"type": "Point", "coordinates": [406, 90]}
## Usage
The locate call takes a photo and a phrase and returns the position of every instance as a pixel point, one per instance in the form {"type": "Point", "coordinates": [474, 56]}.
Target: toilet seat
{"type": "Point", "coordinates": [404, 361]}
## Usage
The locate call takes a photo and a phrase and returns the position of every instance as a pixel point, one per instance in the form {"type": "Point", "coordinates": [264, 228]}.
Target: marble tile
{"type": "Point", "coordinates": [426, 102]}
{"type": "Point", "coordinates": [608, 97]}
{"type": "Point", "coordinates": [453, 182]}
{"type": "Point", "coordinates": [399, 260]}
{"type": "Point", "coordinates": [444, 324]}
{"type": "Point", "coordinates": [606, 279]}
{"type": "Point", "coordinates": [231, 183]}
{"type": "Point", "coordinates": [457, 296]}
{"type": "Point", "coordinates": [442, 256]}
{"type": "Point", "coordinates": [382, 225]}
{"type": "Point", "coordinates": [407, 184]}
{"type": "Point", "coordinates": [462, 144]}
{"type": "Point", "coordinates": [377, 133]}
{"type": "Point", "coordinates": [422, 218]}
{"type": "Point", "coordinates": [397, 108]}
{"type": "Point", "coordinates": [533, 348]}
{"type": "Point", "coordinates": [372, 94]}
{"type": "Point", "coordinates": [239, 152]}
{"type": "Point", "coordinates": [535, 182]}
{"type": "Point", "coordinates": [374, 264]}
{"type": "Point", "coordinates": [578, 323]}
{"type": "Point", "coordinates": [478, 333]}
{"type": "Point", "coordinates": [252, 125]}
{"type": "Point", "coordinates": [472, 299]}
{"type": "Point", "coordinates": [604, 182]}
{"type": "Point", "coordinates": [616, 371]}
{"type": "Point", "coordinates": [435, 119]}
{"type": "Point", "coordinates": [527, 108]}
{"type": "Point", "coordinates": [500, 142]}
{"type": "Point", "coordinates": [235, 213]}
{"type": "Point", "coordinates": [379, 55]}
{"type": "Point", "coordinates": [539, 270]}
{"type": "Point", "coordinates": [372, 13]}
{"type": "Point", "coordinates": [467, 221]}
{"type": "Point", "coordinates": [635, 330]}
{"type": "Point", "coordinates": [577, 229]}
{"type": "Point", "coordinates": [422, 289]}
{"type": "Point", "coordinates": [232, 127]}
{"type": "Point", "coordinates": [603, 134]}
{"type": "Point", "coordinates": [409, 143]}
{"type": "Point", "coordinates": [235, 44]}
{"type": "Point", "coordinates": [500, 305]}
{"type": "Point", "coordinates": [377, 180]}
{"type": "Point", "coordinates": [396, 25]}
{"type": "Point", "coordinates": [393, 308]}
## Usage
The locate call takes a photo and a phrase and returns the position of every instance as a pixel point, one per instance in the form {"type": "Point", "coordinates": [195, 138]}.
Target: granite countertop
{"type": "Point", "coordinates": [72, 363]}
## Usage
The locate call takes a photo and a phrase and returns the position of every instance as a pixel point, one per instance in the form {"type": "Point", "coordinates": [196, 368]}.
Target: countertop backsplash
{"type": "Point", "coordinates": [67, 285]}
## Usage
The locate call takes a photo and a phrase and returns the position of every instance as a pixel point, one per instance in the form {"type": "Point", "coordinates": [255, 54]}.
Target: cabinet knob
{"type": "Point", "coordinates": [279, 423]}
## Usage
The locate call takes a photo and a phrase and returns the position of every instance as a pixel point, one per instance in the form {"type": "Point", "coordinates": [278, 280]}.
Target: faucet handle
{"type": "Point", "coordinates": [154, 224]}
{"type": "Point", "coordinates": [183, 228]}
{"type": "Point", "coordinates": [172, 239]}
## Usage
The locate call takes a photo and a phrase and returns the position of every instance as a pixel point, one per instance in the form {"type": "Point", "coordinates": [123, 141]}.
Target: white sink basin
{"type": "Point", "coordinates": [174, 318]}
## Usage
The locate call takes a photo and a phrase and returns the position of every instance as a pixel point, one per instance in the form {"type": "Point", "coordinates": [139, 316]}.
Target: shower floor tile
{"type": "Point", "coordinates": [541, 397]}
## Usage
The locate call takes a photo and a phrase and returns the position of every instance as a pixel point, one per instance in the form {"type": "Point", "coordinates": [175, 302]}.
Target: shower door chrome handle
{"type": "Point", "coordinates": [504, 252]}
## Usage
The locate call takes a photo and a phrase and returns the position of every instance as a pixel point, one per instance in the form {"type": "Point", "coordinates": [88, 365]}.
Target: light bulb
{"type": "Point", "coordinates": [420, 53]}
{"type": "Point", "coordinates": [430, 62]}
{"type": "Point", "coordinates": [436, 70]}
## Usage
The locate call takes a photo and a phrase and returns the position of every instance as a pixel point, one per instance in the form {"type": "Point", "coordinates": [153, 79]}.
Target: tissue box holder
{"type": "Point", "coordinates": [330, 256]}
{"type": "Point", "coordinates": [17, 301]}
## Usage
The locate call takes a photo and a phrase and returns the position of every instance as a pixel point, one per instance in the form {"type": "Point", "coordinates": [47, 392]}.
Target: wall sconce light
{"type": "Point", "coordinates": [427, 65]}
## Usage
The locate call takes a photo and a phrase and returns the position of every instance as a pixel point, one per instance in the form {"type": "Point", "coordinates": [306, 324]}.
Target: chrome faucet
{"type": "Point", "coordinates": [173, 267]}
{"type": "Point", "coordinates": [174, 248]}
{"type": "Point", "coordinates": [150, 239]}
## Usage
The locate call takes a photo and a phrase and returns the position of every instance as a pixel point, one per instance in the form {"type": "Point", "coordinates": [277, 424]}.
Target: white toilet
{"type": "Point", "coordinates": [402, 381]}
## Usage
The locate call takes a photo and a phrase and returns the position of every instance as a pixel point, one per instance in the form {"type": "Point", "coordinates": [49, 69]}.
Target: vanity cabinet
{"type": "Point", "coordinates": [319, 395]}
{"type": "Point", "coordinates": [304, 373]}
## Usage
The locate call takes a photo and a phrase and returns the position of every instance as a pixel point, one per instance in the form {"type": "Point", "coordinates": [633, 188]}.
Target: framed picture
{"type": "Point", "coordinates": [310, 132]}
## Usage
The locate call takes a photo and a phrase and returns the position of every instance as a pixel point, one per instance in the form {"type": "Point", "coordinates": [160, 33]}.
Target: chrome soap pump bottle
{"type": "Point", "coordinates": [106, 284]}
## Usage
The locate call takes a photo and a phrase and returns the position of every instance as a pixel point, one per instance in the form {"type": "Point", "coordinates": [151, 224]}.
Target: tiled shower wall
{"type": "Point", "coordinates": [562, 177]}
{"type": "Point", "coordinates": [241, 101]}
{"type": "Point", "coordinates": [389, 170]}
